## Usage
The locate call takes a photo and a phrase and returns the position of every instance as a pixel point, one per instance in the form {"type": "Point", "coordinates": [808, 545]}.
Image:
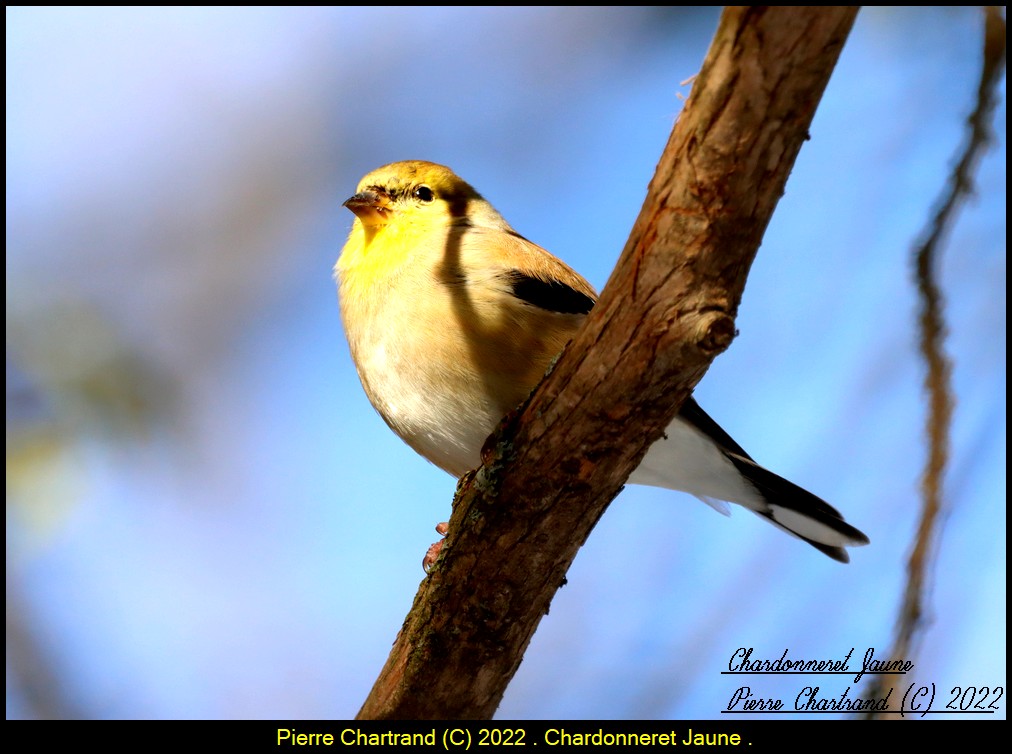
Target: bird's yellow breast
{"type": "Point", "coordinates": [443, 349]}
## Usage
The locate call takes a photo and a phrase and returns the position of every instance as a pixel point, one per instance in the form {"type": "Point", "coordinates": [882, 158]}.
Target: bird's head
{"type": "Point", "coordinates": [420, 194]}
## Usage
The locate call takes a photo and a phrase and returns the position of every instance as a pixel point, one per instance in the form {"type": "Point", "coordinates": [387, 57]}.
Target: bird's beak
{"type": "Point", "coordinates": [371, 207]}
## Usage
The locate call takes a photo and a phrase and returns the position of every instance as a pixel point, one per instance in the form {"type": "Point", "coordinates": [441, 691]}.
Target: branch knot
{"type": "Point", "coordinates": [715, 331]}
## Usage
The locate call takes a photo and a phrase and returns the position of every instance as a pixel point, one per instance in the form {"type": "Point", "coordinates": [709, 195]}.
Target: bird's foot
{"type": "Point", "coordinates": [434, 549]}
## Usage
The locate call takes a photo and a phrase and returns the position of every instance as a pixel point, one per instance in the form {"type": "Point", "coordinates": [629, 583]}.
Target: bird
{"type": "Point", "coordinates": [452, 318]}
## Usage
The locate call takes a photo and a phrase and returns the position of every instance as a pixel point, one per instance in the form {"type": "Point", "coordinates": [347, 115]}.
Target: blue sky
{"type": "Point", "coordinates": [206, 518]}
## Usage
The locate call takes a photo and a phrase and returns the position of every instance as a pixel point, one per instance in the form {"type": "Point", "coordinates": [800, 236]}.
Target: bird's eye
{"type": "Point", "coordinates": [424, 193]}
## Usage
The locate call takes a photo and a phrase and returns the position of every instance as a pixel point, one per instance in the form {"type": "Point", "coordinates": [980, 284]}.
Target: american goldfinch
{"type": "Point", "coordinates": [453, 317]}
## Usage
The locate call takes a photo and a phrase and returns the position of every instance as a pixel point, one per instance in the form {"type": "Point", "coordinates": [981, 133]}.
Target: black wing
{"type": "Point", "coordinates": [554, 296]}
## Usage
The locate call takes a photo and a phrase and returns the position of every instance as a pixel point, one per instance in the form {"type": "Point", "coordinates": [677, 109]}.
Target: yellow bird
{"type": "Point", "coordinates": [453, 317]}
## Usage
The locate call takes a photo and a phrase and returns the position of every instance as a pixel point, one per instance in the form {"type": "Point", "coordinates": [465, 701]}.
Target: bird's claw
{"type": "Point", "coordinates": [435, 548]}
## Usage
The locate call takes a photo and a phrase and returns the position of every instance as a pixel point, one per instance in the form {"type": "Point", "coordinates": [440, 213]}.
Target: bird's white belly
{"type": "Point", "coordinates": [442, 414]}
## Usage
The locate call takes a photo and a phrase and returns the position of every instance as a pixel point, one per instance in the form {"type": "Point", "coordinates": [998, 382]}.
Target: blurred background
{"type": "Point", "coordinates": [206, 518]}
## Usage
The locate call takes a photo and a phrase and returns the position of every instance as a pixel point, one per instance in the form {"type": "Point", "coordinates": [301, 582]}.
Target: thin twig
{"type": "Point", "coordinates": [931, 321]}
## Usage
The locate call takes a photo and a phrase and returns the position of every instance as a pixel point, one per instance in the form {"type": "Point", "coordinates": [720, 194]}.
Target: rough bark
{"type": "Point", "coordinates": [551, 470]}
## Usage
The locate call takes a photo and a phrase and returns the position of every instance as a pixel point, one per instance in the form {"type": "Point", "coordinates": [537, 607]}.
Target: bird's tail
{"type": "Point", "coordinates": [799, 512]}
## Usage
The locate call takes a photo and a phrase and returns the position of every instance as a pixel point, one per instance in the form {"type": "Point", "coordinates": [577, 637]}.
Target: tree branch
{"type": "Point", "coordinates": [550, 471]}
{"type": "Point", "coordinates": [932, 330]}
